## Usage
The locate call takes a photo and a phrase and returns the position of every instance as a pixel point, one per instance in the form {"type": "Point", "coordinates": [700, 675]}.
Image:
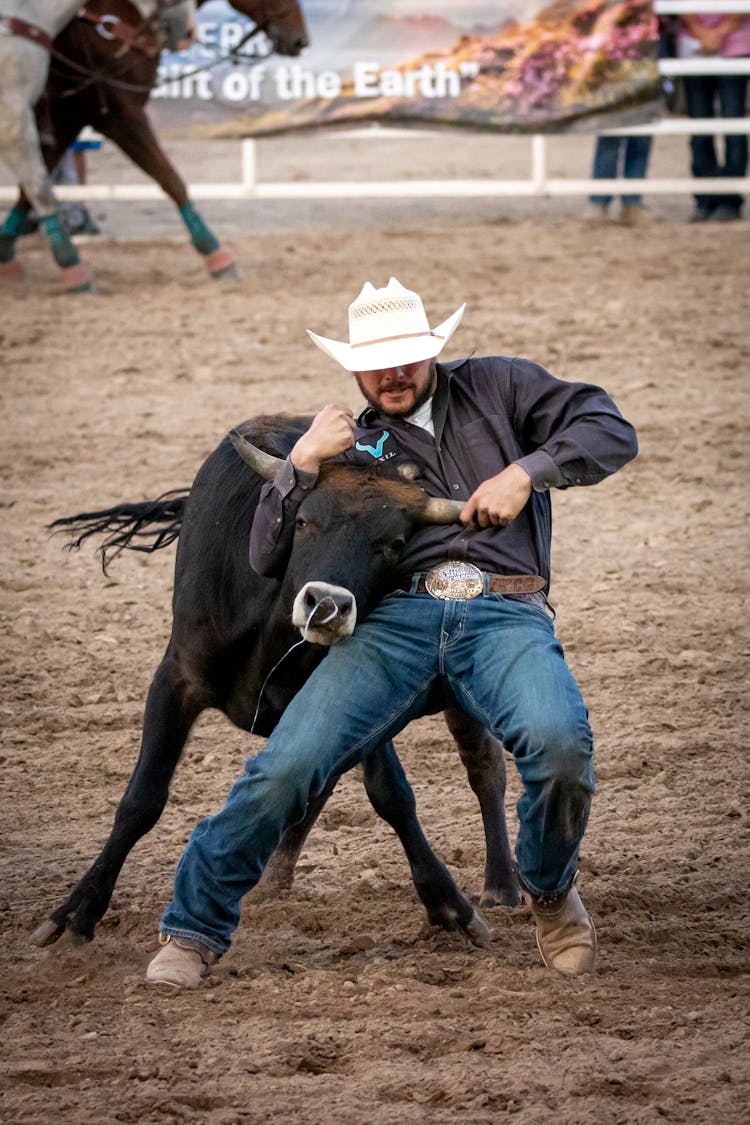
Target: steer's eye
{"type": "Point", "coordinates": [300, 522]}
{"type": "Point", "coordinates": [392, 550]}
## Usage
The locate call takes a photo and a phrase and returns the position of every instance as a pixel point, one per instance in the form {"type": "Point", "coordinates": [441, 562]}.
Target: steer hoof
{"type": "Point", "coordinates": [468, 921]}
{"type": "Point", "coordinates": [47, 933]}
{"type": "Point", "coordinates": [56, 933]}
{"type": "Point", "coordinates": [71, 940]}
{"type": "Point", "coordinates": [477, 930]}
{"type": "Point", "coordinates": [502, 896]}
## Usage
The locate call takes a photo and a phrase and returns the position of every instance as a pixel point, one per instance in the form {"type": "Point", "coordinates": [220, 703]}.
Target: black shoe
{"type": "Point", "coordinates": [725, 213]}
{"type": "Point", "coordinates": [701, 214]}
{"type": "Point", "coordinates": [80, 221]}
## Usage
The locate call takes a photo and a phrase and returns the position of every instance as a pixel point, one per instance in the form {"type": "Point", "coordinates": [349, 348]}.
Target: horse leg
{"type": "Point", "coordinates": [393, 800]}
{"type": "Point", "coordinates": [171, 710]}
{"type": "Point", "coordinates": [483, 757]}
{"type": "Point", "coordinates": [134, 135]}
{"type": "Point", "coordinates": [17, 223]}
{"type": "Point", "coordinates": [21, 152]}
{"type": "Point", "coordinates": [25, 159]}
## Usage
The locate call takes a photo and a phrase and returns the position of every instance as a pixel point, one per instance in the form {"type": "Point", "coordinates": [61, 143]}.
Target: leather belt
{"type": "Point", "coordinates": [460, 581]}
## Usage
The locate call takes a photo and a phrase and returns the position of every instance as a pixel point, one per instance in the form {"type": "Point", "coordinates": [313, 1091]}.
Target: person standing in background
{"type": "Point", "coordinates": [71, 169]}
{"type": "Point", "coordinates": [614, 157]}
{"type": "Point", "coordinates": [722, 36]}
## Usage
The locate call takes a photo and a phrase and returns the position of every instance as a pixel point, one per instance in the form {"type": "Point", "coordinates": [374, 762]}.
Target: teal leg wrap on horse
{"type": "Point", "coordinates": [63, 250]}
{"type": "Point", "coordinates": [16, 223]}
{"type": "Point", "coordinates": [201, 236]}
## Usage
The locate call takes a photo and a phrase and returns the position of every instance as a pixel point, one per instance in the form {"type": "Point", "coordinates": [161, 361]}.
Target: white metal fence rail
{"type": "Point", "coordinates": [538, 183]}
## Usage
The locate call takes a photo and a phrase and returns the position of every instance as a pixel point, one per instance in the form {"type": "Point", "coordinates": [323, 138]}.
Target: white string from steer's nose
{"type": "Point", "coordinates": [296, 644]}
{"type": "Point", "coordinates": [314, 610]}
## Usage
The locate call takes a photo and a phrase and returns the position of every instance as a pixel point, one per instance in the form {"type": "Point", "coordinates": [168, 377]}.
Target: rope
{"type": "Point", "coordinates": [296, 644]}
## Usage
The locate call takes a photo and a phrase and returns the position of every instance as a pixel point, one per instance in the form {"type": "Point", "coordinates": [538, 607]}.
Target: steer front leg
{"type": "Point", "coordinates": [484, 759]}
{"type": "Point", "coordinates": [393, 800]}
{"type": "Point", "coordinates": [170, 713]}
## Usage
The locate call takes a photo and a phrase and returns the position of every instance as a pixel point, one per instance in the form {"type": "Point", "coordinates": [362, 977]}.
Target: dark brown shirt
{"type": "Point", "coordinates": [487, 413]}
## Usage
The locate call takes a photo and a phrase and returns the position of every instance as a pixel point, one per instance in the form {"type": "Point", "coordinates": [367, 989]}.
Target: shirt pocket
{"type": "Point", "coordinates": [487, 444]}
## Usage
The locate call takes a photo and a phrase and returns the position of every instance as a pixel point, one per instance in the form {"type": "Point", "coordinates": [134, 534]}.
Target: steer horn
{"type": "Point", "coordinates": [435, 510]}
{"type": "Point", "coordinates": [438, 510]}
{"type": "Point", "coordinates": [264, 464]}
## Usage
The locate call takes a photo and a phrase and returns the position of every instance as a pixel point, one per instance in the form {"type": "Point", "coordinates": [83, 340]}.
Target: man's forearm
{"type": "Point", "coordinates": [272, 531]}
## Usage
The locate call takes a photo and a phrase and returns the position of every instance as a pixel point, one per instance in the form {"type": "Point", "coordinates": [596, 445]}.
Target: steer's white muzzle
{"type": "Point", "coordinates": [324, 614]}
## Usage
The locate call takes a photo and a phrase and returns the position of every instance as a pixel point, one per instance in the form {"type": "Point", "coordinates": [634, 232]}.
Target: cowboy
{"type": "Point", "coordinates": [467, 623]}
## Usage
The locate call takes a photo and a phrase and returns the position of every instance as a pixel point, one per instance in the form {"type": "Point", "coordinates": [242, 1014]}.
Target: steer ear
{"type": "Point", "coordinates": [263, 463]}
{"type": "Point", "coordinates": [437, 510]}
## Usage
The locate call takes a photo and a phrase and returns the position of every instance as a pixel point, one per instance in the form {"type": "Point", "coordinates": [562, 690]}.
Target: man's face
{"type": "Point", "coordinates": [399, 391]}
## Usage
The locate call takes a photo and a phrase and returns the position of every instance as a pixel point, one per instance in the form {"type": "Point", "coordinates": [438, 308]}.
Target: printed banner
{"type": "Point", "coordinates": [511, 66]}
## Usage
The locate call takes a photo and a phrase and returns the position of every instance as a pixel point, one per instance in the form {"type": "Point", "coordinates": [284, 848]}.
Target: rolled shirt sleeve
{"type": "Point", "coordinates": [272, 531]}
{"type": "Point", "coordinates": [575, 433]}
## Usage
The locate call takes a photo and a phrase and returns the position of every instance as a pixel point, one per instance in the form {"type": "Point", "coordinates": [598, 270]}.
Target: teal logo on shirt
{"type": "Point", "coordinates": [374, 450]}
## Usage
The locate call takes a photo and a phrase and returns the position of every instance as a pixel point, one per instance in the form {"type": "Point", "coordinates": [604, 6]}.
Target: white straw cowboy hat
{"type": "Point", "coordinates": [388, 328]}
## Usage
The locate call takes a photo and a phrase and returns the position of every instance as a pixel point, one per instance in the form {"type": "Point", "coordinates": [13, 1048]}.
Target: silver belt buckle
{"type": "Point", "coordinates": [454, 581]}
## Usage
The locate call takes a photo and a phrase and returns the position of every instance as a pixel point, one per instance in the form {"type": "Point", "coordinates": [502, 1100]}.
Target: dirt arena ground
{"type": "Point", "coordinates": [335, 1004]}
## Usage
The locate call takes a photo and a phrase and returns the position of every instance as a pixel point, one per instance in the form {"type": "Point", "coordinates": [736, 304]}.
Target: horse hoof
{"type": "Point", "coordinates": [228, 271]}
{"type": "Point", "coordinates": [221, 263]}
{"type": "Point", "coordinates": [77, 278]}
{"type": "Point", "coordinates": [47, 933]}
{"type": "Point", "coordinates": [12, 270]}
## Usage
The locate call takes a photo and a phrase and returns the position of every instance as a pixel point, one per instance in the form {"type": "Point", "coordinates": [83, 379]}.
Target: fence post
{"type": "Point", "coordinates": [539, 163]}
{"type": "Point", "coordinates": [248, 165]}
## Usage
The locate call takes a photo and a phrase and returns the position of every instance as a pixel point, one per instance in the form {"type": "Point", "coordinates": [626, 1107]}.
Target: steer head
{"type": "Point", "coordinates": [350, 532]}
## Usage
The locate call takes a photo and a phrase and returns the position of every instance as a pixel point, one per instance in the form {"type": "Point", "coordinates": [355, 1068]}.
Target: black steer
{"type": "Point", "coordinates": [231, 628]}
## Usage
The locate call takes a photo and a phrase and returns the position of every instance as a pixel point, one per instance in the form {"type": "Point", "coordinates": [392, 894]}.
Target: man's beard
{"type": "Point", "coordinates": [419, 400]}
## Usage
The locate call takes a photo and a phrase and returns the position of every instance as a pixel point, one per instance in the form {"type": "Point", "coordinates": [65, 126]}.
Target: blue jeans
{"type": "Point", "coordinates": [701, 94]}
{"type": "Point", "coordinates": [496, 658]}
{"type": "Point", "coordinates": [626, 156]}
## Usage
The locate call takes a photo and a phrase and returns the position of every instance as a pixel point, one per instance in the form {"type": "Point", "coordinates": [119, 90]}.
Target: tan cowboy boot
{"type": "Point", "coordinates": [565, 933]}
{"type": "Point", "coordinates": [180, 963]}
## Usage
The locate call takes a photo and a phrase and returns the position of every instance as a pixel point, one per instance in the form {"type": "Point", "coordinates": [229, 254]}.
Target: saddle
{"type": "Point", "coordinates": [138, 36]}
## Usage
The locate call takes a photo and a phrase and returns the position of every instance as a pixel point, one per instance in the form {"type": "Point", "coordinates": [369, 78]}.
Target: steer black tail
{"type": "Point", "coordinates": [137, 527]}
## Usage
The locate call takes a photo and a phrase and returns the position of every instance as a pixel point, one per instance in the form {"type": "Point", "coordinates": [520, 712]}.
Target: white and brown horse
{"type": "Point", "coordinates": [64, 65]}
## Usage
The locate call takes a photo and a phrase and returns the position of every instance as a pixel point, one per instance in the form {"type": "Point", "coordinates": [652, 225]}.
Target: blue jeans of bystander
{"type": "Point", "coordinates": [495, 657]}
{"type": "Point", "coordinates": [615, 156]}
